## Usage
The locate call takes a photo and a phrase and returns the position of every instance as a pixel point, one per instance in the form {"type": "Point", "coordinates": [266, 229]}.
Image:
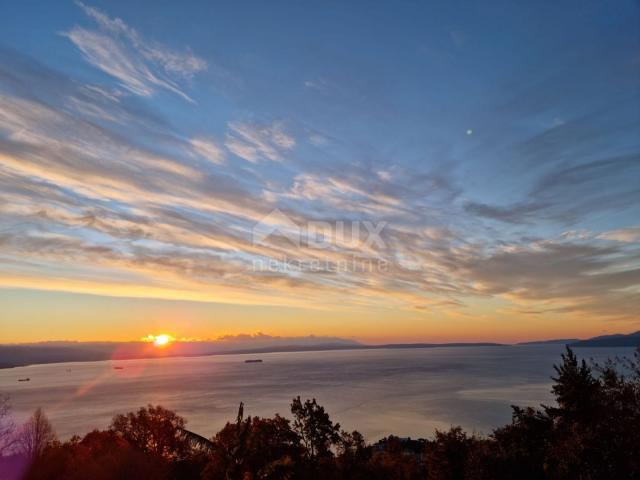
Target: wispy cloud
{"type": "Point", "coordinates": [208, 149]}
{"type": "Point", "coordinates": [624, 235]}
{"type": "Point", "coordinates": [580, 277]}
{"type": "Point", "coordinates": [142, 66]}
{"type": "Point", "coordinates": [254, 142]}
{"type": "Point", "coordinates": [113, 217]}
{"type": "Point", "coordinates": [567, 194]}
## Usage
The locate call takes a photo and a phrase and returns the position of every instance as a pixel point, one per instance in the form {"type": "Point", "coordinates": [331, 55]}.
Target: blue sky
{"type": "Point", "coordinates": [498, 142]}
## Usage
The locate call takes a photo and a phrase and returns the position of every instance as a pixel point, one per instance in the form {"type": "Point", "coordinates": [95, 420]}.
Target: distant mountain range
{"type": "Point", "coordinates": [17, 355]}
{"type": "Point", "coordinates": [555, 341]}
{"type": "Point", "coordinates": [617, 340]}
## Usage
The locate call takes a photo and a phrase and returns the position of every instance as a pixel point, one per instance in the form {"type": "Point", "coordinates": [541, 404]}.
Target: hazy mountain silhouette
{"type": "Point", "coordinates": [17, 355]}
{"type": "Point", "coordinates": [616, 340]}
{"type": "Point", "coordinates": [554, 341]}
{"type": "Point", "coordinates": [58, 352]}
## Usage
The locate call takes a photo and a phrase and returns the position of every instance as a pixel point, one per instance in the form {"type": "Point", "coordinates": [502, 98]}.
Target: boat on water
{"type": "Point", "coordinates": [257, 360]}
{"type": "Point", "coordinates": [24, 379]}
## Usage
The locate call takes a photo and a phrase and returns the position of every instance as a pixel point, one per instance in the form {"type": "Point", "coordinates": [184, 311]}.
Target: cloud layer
{"type": "Point", "coordinates": [105, 190]}
{"type": "Point", "coordinates": [141, 66]}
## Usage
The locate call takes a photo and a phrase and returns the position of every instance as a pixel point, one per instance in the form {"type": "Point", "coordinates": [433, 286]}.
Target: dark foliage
{"type": "Point", "coordinates": [315, 428]}
{"type": "Point", "coordinates": [592, 432]}
{"type": "Point", "coordinates": [153, 430]}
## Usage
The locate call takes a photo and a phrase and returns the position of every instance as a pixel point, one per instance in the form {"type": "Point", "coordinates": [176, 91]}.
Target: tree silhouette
{"type": "Point", "coordinates": [254, 447]}
{"type": "Point", "coordinates": [519, 450]}
{"type": "Point", "coordinates": [575, 389]}
{"type": "Point", "coordinates": [36, 435]}
{"type": "Point", "coordinates": [449, 455]}
{"type": "Point", "coordinates": [313, 424]}
{"type": "Point", "coordinates": [154, 430]}
{"type": "Point", "coordinates": [7, 427]}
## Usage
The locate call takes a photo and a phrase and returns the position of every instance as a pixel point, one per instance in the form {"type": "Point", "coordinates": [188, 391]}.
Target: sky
{"type": "Point", "coordinates": [388, 171]}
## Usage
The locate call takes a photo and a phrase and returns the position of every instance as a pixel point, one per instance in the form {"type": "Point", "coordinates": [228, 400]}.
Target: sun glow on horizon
{"type": "Point", "coordinates": [160, 340]}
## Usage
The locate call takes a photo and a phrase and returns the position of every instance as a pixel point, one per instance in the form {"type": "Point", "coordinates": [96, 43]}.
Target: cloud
{"type": "Point", "coordinates": [208, 149]}
{"type": "Point", "coordinates": [93, 162]}
{"type": "Point", "coordinates": [111, 217]}
{"type": "Point", "coordinates": [100, 194]}
{"type": "Point", "coordinates": [320, 84]}
{"type": "Point", "coordinates": [114, 218]}
{"type": "Point", "coordinates": [142, 66]}
{"type": "Point", "coordinates": [624, 235]}
{"type": "Point", "coordinates": [569, 193]}
{"type": "Point", "coordinates": [254, 142]}
{"type": "Point", "coordinates": [261, 339]}
{"type": "Point", "coordinates": [577, 277]}
{"type": "Point", "coordinates": [183, 64]}
{"type": "Point", "coordinates": [518, 213]}
{"type": "Point", "coordinates": [345, 193]}
{"type": "Point", "coordinates": [24, 77]}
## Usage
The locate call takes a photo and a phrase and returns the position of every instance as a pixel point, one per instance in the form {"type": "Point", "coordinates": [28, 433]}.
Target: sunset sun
{"type": "Point", "coordinates": [162, 340]}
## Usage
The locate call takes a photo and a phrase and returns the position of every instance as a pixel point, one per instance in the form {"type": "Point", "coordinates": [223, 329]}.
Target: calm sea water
{"type": "Point", "coordinates": [405, 392]}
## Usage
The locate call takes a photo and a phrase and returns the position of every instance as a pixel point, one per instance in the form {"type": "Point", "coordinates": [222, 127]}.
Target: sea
{"type": "Point", "coordinates": [405, 392]}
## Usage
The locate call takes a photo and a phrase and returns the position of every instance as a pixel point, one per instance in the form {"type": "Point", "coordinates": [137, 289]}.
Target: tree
{"type": "Point", "coordinates": [519, 450]}
{"type": "Point", "coordinates": [254, 447]}
{"type": "Point", "coordinates": [352, 445]}
{"type": "Point", "coordinates": [394, 458]}
{"type": "Point", "coordinates": [271, 443]}
{"type": "Point", "coordinates": [593, 432]}
{"type": "Point", "coordinates": [100, 455]}
{"type": "Point", "coordinates": [317, 431]}
{"type": "Point", "coordinates": [449, 456]}
{"type": "Point", "coordinates": [104, 455]}
{"type": "Point", "coordinates": [36, 435]}
{"type": "Point", "coordinates": [596, 430]}
{"type": "Point", "coordinates": [154, 430]}
{"type": "Point", "coordinates": [7, 427]}
{"type": "Point", "coordinates": [353, 455]}
{"type": "Point", "coordinates": [576, 390]}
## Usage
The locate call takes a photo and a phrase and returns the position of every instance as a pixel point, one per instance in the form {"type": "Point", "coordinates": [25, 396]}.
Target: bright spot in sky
{"type": "Point", "coordinates": [161, 340]}
{"type": "Point", "coordinates": [158, 340]}
{"type": "Point", "coordinates": [469, 132]}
